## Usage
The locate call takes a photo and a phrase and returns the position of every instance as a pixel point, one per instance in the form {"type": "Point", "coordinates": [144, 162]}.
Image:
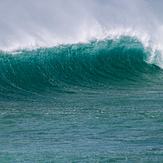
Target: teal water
{"type": "Point", "coordinates": [94, 102]}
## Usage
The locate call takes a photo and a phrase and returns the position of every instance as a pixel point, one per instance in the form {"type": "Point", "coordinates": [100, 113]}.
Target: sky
{"type": "Point", "coordinates": [46, 23]}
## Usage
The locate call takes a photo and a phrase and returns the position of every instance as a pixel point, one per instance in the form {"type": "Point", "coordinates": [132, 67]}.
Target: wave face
{"type": "Point", "coordinates": [75, 67]}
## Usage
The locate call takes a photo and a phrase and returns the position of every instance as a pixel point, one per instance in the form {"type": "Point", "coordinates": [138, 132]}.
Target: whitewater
{"type": "Point", "coordinates": [81, 81]}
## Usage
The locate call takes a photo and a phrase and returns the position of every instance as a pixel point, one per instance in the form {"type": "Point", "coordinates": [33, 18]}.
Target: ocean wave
{"type": "Point", "coordinates": [97, 64]}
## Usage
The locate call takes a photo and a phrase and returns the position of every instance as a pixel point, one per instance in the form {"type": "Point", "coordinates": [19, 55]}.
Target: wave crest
{"type": "Point", "coordinates": [67, 67]}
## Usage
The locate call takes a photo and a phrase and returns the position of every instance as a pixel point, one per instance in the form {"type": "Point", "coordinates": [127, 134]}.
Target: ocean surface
{"type": "Point", "coordinates": [97, 98]}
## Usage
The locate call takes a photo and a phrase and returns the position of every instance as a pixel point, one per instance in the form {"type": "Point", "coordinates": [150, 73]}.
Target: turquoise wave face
{"type": "Point", "coordinates": [69, 68]}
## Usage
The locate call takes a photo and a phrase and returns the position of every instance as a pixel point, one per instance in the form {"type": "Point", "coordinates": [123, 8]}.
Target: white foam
{"type": "Point", "coordinates": [47, 23]}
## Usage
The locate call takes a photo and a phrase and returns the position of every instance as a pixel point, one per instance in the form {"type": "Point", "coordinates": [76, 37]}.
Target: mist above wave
{"type": "Point", "coordinates": [34, 24]}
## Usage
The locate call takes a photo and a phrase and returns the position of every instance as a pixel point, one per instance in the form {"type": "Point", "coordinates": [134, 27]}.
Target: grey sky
{"type": "Point", "coordinates": [52, 22]}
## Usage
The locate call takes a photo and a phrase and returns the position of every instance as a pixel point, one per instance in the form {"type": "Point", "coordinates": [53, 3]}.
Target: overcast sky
{"type": "Point", "coordinates": [48, 22]}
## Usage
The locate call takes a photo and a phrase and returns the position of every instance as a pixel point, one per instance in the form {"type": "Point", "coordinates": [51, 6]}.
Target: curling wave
{"type": "Point", "coordinates": [97, 64]}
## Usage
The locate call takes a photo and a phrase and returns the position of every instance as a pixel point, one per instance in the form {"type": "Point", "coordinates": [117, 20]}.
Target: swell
{"type": "Point", "coordinates": [68, 68]}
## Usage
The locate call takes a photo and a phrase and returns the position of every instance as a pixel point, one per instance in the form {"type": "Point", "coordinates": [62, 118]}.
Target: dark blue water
{"type": "Point", "coordinates": [94, 102]}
